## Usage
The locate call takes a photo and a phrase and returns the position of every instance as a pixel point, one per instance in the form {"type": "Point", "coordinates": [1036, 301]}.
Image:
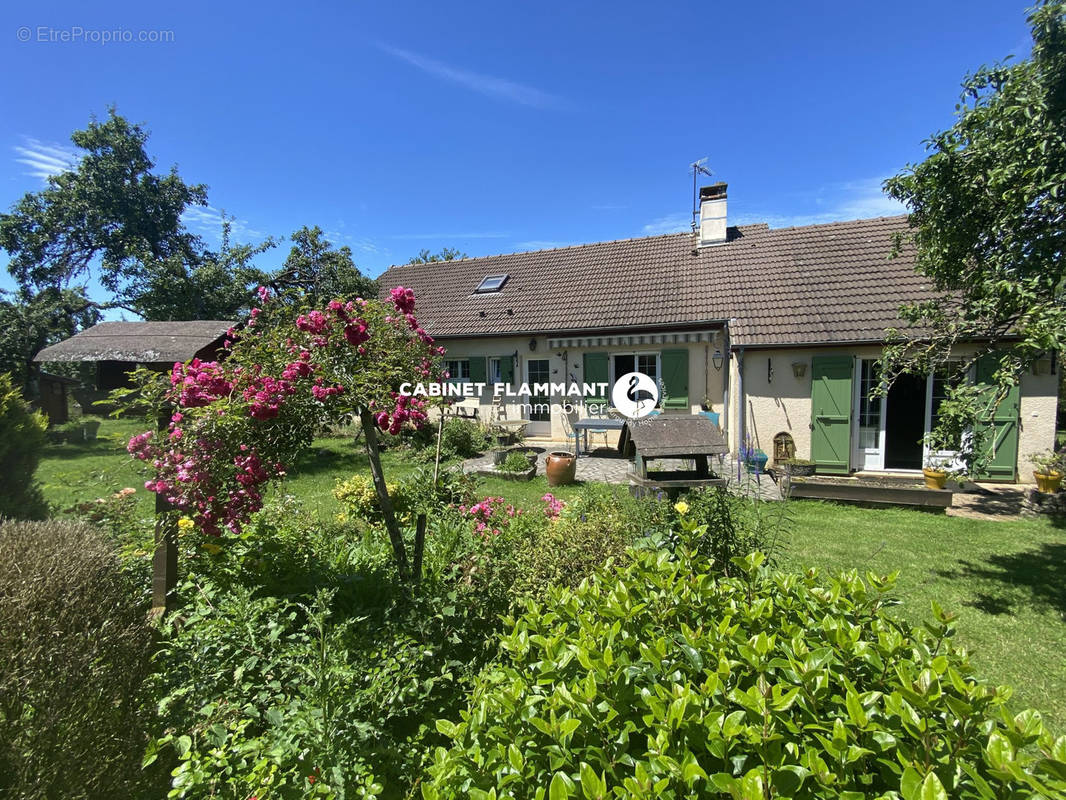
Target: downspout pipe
{"type": "Point", "coordinates": [740, 406]}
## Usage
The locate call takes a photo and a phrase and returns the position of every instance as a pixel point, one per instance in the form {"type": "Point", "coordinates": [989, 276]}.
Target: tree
{"type": "Point", "coordinates": [210, 285]}
{"type": "Point", "coordinates": [316, 272]}
{"type": "Point", "coordinates": [110, 207]}
{"type": "Point", "coordinates": [988, 219]}
{"type": "Point", "coordinates": [444, 254]}
{"type": "Point", "coordinates": [29, 322]}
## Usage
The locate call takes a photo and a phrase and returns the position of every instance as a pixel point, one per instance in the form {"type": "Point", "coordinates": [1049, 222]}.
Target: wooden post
{"type": "Point", "coordinates": [420, 546]}
{"type": "Point", "coordinates": [165, 558]}
{"type": "Point", "coordinates": [398, 549]}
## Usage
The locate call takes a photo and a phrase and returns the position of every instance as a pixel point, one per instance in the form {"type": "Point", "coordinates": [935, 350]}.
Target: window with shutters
{"type": "Point", "coordinates": [458, 370]}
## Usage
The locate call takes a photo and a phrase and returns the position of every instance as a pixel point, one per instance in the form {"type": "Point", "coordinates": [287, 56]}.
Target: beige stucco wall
{"type": "Point", "coordinates": [783, 404]}
{"type": "Point", "coordinates": [1036, 427]}
{"type": "Point", "coordinates": [566, 366]}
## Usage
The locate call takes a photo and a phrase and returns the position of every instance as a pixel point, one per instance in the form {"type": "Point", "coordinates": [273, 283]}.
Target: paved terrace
{"type": "Point", "coordinates": [606, 465]}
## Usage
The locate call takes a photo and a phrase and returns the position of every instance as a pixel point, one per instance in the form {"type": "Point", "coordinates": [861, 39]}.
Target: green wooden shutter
{"type": "Point", "coordinates": [1000, 424]}
{"type": "Point", "coordinates": [831, 413]}
{"type": "Point", "coordinates": [506, 369]}
{"type": "Point", "coordinates": [595, 371]}
{"type": "Point", "coordinates": [675, 378]}
{"type": "Point", "coordinates": [477, 369]}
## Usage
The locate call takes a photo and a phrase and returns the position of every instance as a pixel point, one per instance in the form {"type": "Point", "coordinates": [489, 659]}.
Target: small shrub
{"type": "Point", "coordinates": [665, 681]}
{"type": "Point", "coordinates": [22, 435]}
{"type": "Point", "coordinates": [462, 438]}
{"type": "Point", "coordinates": [415, 494]}
{"type": "Point", "coordinates": [722, 526]}
{"type": "Point", "coordinates": [514, 462]}
{"type": "Point", "coordinates": [74, 658]}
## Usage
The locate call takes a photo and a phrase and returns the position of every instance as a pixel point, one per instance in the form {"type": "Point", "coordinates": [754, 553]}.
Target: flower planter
{"type": "Point", "coordinates": [1048, 482]}
{"type": "Point", "coordinates": [498, 455]}
{"type": "Point", "coordinates": [935, 478]}
{"type": "Point", "coordinates": [560, 468]}
{"type": "Point", "coordinates": [524, 475]}
{"type": "Point", "coordinates": [530, 453]}
{"type": "Point", "coordinates": [757, 462]}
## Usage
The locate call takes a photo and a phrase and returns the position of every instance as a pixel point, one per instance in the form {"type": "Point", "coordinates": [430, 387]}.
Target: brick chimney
{"type": "Point", "coordinates": [712, 214]}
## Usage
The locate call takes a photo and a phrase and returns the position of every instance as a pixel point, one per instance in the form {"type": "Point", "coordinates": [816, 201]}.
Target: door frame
{"type": "Point", "coordinates": [537, 427]}
{"type": "Point", "coordinates": [869, 458]}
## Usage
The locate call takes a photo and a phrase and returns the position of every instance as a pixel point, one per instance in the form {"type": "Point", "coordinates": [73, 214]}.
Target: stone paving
{"type": "Point", "coordinates": [607, 466]}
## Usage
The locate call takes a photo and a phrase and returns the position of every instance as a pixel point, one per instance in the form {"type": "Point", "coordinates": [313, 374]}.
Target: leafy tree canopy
{"type": "Point", "coordinates": [444, 254]}
{"type": "Point", "coordinates": [31, 321]}
{"type": "Point", "coordinates": [319, 271]}
{"type": "Point", "coordinates": [110, 206]}
{"type": "Point", "coordinates": [988, 218]}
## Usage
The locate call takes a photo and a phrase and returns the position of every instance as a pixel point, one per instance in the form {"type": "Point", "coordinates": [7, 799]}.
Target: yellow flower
{"type": "Point", "coordinates": [681, 507]}
{"type": "Point", "coordinates": [186, 524]}
{"type": "Point", "coordinates": [212, 548]}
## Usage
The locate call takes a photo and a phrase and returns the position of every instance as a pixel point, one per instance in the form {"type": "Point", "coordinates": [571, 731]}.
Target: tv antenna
{"type": "Point", "coordinates": [698, 168]}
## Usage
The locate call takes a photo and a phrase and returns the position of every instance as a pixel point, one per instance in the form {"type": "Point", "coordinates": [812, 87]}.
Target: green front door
{"type": "Point", "coordinates": [831, 412]}
{"type": "Point", "coordinates": [1000, 425]}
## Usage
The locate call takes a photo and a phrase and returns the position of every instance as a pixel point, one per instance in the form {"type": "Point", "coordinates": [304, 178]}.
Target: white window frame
{"type": "Point", "coordinates": [495, 370]}
{"type": "Point", "coordinates": [461, 365]}
{"type": "Point", "coordinates": [612, 377]}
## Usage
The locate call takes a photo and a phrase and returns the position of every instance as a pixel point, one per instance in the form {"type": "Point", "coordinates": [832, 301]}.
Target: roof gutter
{"type": "Point", "coordinates": [708, 323]}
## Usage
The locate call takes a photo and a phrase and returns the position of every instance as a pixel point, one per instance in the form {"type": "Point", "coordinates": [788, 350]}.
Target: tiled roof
{"type": "Point", "coordinates": [807, 285]}
{"type": "Point", "coordinates": [141, 342]}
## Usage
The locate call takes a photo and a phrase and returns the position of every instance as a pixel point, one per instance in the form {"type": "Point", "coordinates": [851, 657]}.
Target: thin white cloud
{"type": "Point", "coordinates": [488, 85]}
{"type": "Point", "coordinates": [207, 220]}
{"type": "Point", "coordinates": [839, 201]}
{"type": "Point", "coordinates": [671, 223]}
{"type": "Point", "coordinates": [44, 159]}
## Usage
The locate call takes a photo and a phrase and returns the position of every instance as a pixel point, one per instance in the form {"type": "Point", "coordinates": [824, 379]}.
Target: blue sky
{"type": "Point", "coordinates": [496, 127]}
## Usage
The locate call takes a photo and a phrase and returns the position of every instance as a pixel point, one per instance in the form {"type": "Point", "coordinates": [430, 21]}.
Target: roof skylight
{"type": "Point", "coordinates": [491, 283]}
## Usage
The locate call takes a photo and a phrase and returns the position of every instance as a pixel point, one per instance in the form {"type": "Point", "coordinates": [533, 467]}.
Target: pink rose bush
{"type": "Point", "coordinates": [237, 422]}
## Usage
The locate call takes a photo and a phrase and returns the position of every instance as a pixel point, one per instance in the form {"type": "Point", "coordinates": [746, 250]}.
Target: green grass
{"type": "Point", "coordinates": [1006, 580]}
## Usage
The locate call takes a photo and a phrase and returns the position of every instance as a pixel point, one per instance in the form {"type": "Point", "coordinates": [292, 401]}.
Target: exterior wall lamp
{"type": "Point", "coordinates": [717, 360]}
{"type": "Point", "coordinates": [532, 344]}
{"type": "Point", "coordinates": [799, 368]}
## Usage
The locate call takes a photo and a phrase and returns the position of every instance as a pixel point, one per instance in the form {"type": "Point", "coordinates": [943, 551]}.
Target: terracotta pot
{"type": "Point", "coordinates": [1048, 482]}
{"type": "Point", "coordinates": [934, 478]}
{"type": "Point", "coordinates": [561, 468]}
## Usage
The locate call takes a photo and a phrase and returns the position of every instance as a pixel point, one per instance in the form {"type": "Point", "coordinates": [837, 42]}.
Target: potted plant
{"type": "Point", "coordinates": [1048, 469]}
{"type": "Point", "coordinates": [798, 467]}
{"type": "Point", "coordinates": [935, 470]}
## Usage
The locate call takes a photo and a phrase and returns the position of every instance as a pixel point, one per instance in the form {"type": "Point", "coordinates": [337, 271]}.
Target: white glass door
{"type": "Point", "coordinates": [538, 408]}
{"type": "Point", "coordinates": [868, 436]}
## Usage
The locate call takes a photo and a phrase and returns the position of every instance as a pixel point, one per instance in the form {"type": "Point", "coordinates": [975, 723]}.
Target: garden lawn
{"type": "Point", "coordinates": [1006, 581]}
{"type": "Point", "coordinates": [83, 471]}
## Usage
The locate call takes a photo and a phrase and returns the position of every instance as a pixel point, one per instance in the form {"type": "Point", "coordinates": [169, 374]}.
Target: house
{"type": "Point", "coordinates": [118, 347]}
{"type": "Point", "coordinates": [776, 330]}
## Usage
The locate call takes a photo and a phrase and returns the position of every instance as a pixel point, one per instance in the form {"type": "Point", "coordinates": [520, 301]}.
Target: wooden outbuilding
{"type": "Point", "coordinates": [118, 347]}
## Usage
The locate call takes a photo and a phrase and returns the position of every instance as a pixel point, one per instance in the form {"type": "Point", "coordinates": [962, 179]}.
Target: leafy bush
{"type": "Point", "coordinates": [665, 681]}
{"type": "Point", "coordinates": [299, 654]}
{"type": "Point", "coordinates": [722, 526]}
{"type": "Point", "coordinates": [74, 656]}
{"type": "Point", "coordinates": [514, 462]}
{"type": "Point", "coordinates": [22, 435]}
{"type": "Point", "coordinates": [462, 438]}
{"type": "Point", "coordinates": [415, 494]}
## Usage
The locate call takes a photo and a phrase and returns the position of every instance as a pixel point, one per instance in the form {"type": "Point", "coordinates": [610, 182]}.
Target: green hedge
{"type": "Point", "coordinates": [663, 681]}
{"type": "Point", "coordinates": [22, 435]}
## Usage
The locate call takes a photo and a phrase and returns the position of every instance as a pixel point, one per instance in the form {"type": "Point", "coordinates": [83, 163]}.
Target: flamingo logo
{"type": "Point", "coordinates": [635, 395]}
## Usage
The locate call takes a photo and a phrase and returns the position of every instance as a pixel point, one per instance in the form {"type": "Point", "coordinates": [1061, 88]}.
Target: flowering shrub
{"type": "Point", "coordinates": [553, 506]}
{"type": "Point", "coordinates": [490, 515]}
{"type": "Point", "coordinates": [239, 422]}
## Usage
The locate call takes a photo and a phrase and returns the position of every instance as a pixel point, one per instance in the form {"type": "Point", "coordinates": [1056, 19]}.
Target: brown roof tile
{"type": "Point", "coordinates": [808, 285]}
